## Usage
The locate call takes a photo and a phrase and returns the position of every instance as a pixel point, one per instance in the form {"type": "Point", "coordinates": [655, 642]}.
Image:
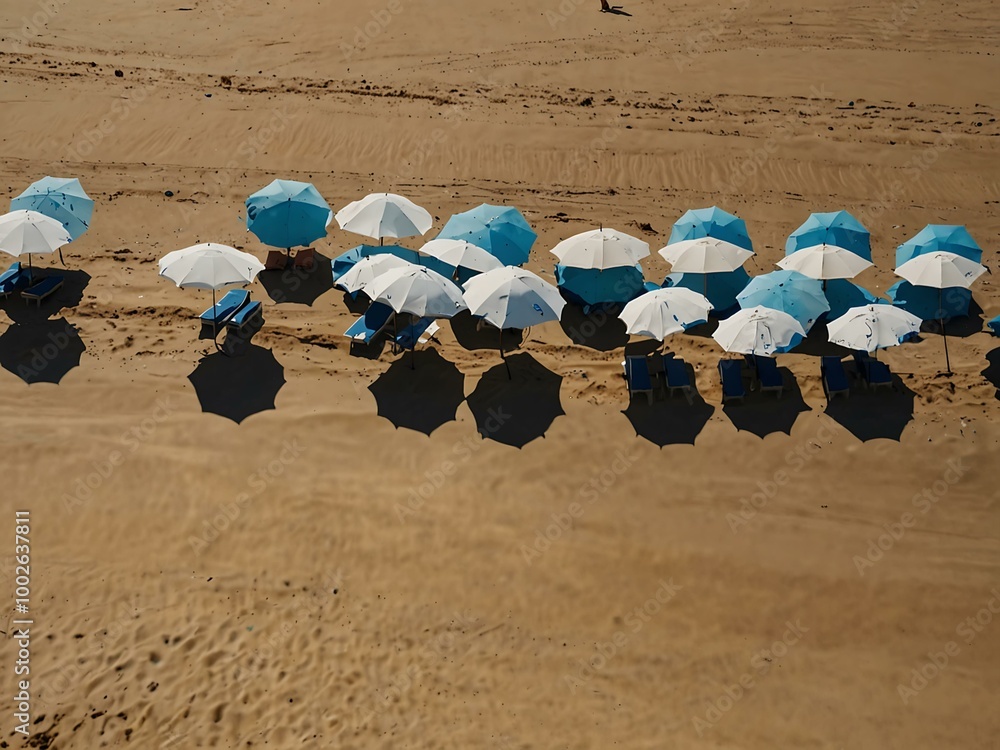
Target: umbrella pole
{"type": "Point", "coordinates": [215, 316]}
{"type": "Point", "coordinates": [503, 356]}
{"type": "Point", "coordinates": [944, 335]}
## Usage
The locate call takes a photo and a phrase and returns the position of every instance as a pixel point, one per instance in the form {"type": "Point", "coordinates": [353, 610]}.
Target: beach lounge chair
{"type": "Point", "coordinates": [873, 373]}
{"type": "Point", "coordinates": [834, 378]}
{"type": "Point", "coordinates": [370, 325]}
{"type": "Point", "coordinates": [637, 377]}
{"type": "Point", "coordinates": [409, 337]}
{"type": "Point", "coordinates": [275, 261]}
{"type": "Point", "coordinates": [225, 308]}
{"type": "Point", "coordinates": [43, 289]}
{"type": "Point", "coordinates": [246, 315]}
{"type": "Point", "coordinates": [768, 376]}
{"type": "Point", "coordinates": [675, 374]}
{"type": "Point", "coordinates": [305, 259]}
{"type": "Point", "coordinates": [13, 278]}
{"type": "Point", "coordinates": [994, 325]}
{"type": "Point", "coordinates": [731, 374]}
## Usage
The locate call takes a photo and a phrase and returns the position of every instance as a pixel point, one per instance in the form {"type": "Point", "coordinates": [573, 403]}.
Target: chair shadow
{"type": "Point", "coordinates": [869, 415]}
{"type": "Point", "coordinates": [41, 352]}
{"type": "Point", "coordinates": [237, 387]}
{"type": "Point", "coordinates": [764, 413]}
{"type": "Point", "coordinates": [472, 337]}
{"type": "Point", "coordinates": [601, 330]}
{"type": "Point", "coordinates": [299, 285]}
{"type": "Point", "coordinates": [519, 408]}
{"type": "Point", "coordinates": [70, 295]}
{"type": "Point", "coordinates": [670, 420]}
{"type": "Point", "coordinates": [421, 391]}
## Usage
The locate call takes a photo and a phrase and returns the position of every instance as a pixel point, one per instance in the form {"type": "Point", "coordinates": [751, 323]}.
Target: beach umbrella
{"type": "Point", "coordinates": [209, 266]}
{"type": "Point", "coordinates": [705, 255]}
{"type": "Point", "coordinates": [843, 294]}
{"type": "Point", "coordinates": [720, 288]}
{"type": "Point", "coordinates": [418, 291]}
{"type": "Point", "coordinates": [941, 270]}
{"type": "Point", "coordinates": [928, 303]}
{"type": "Point", "coordinates": [590, 287]}
{"type": "Point", "coordinates": [601, 249]}
{"type": "Point", "coordinates": [500, 230]}
{"type": "Point", "coordinates": [711, 222]}
{"type": "Point", "coordinates": [25, 232]}
{"type": "Point", "coordinates": [345, 262]}
{"type": "Point", "coordinates": [365, 271]}
{"type": "Point", "coordinates": [461, 254]}
{"type": "Point", "coordinates": [760, 331]}
{"type": "Point", "coordinates": [662, 312]}
{"type": "Point", "coordinates": [872, 327]}
{"type": "Point", "coordinates": [788, 291]}
{"type": "Point", "coordinates": [825, 262]}
{"type": "Point", "coordinates": [381, 215]}
{"type": "Point", "coordinates": [836, 228]}
{"type": "Point", "coordinates": [288, 214]}
{"type": "Point", "coordinates": [59, 198]}
{"type": "Point", "coordinates": [945, 238]}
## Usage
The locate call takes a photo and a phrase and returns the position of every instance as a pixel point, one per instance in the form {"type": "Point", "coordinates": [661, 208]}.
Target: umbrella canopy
{"type": "Point", "coordinates": [946, 238]}
{"type": "Point", "coordinates": [461, 254]}
{"type": "Point", "coordinates": [345, 262]}
{"type": "Point", "coordinates": [825, 262]}
{"type": "Point", "coordinates": [759, 330]}
{"type": "Point", "coordinates": [705, 255]}
{"type": "Point", "coordinates": [384, 215]}
{"type": "Point", "coordinates": [788, 291]}
{"type": "Point", "coordinates": [59, 198]}
{"type": "Point", "coordinates": [369, 268]}
{"type": "Point", "coordinates": [720, 288]}
{"type": "Point", "coordinates": [511, 297]}
{"type": "Point", "coordinates": [25, 232]}
{"type": "Point", "coordinates": [601, 249]}
{"type": "Point", "coordinates": [500, 230]}
{"type": "Point", "coordinates": [288, 214]}
{"type": "Point", "coordinates": [872, 327]}
{"type": "Point", "coordinates": [930, 304]}
{"type": "Point", "coordinates": [418, 291]}
{"type": "Point", "coordinates": [711, 222]}
{"type": "Point", "coordinates": [843, 295]}
{"type": "Point", "coordinates": [837, 228]}
{"type": "Point", "coordinates": [209, 266]}
{"type": "Point", "coordinates": [661, 312]}
{"type": "Point", "coordinates": [941, 270]}
{"type": "Point", "coordinates": [590, 287]}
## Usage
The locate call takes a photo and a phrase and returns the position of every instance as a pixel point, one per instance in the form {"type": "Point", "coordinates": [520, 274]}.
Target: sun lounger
{"type": "Point", "coordinates": [768, 376]}
{"type": "Point", "coordinates": [731, 374]}
{"type": "Point", "coordinates": [43, 289]}
{"type": "Point", "coordinates": [225, 308]}
{"type": "Point", "coordinates": [370, 325]}
{"type": "Point", "coordinates": [275, 261]}
{"type": "Point", "coordinates": [637, 377]}
{"type": "Point", "coordinates": [994, 325]}
{"type": "Point", "coordinates": [873, 373]}
{"type": "Point", "coordinates": [834, 378]}
{"type": "Point", "coordinates": [13, 278]}
{"type": "Point", "coordinates": [246, 315]}
{"type": "Point", "coordinates": [305, 259]}
{"type": "Point", "coordinates": [675, 374]}
{"type": "Point", "coordinates": [409, 337]}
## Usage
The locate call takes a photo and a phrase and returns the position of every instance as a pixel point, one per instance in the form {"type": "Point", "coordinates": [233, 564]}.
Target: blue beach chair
{"type": "Point", "coordinates": [768, 376]}
{"type": "Point", "coordinates": [731, 374]}
{"type": "Point", "coordinates": [675, 374]}
{"type": "Point", "coordinates": [246, 315]}
{"type": "Point", "coordinates": [409, 337]}
{"type": "Point", "coordinates": [637, 377]}
{"type": "Point", "coordinates": [873, 373]}
{"type": "Point", "coordinates": [370, 325]}
{"type": "Point", "coordinates": [13, 278]}
{"type": "Point", "coordinates": [225, 308]}
{"type": "Point", "coordinates": [43, 289]}
{"type": "Point", "coordinates": [835, 380]}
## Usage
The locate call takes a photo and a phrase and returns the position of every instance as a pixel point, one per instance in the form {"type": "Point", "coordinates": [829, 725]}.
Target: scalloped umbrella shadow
{"type": "Point", "coordinates": [421, 397]}
{"type": "Point", "coordinates": [676, 420]}
{"type": "Point", "coordinates": [238, 387]}
{"type": "Point", "coordinates": [876, 414]}
{"type": "Point", "coordinates": [765, 413]}
{"type": "Point", "coordinates": [41, 352]}
{"type": "Point", "coordinates": [516, 409]}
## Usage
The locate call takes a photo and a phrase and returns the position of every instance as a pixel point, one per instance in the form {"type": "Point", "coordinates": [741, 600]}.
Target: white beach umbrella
{"type": "Point", "coordinates": [825, 262]}
{"type": "Point", "coordinates": [461, 254]}
{"type": "Point", "coordinates": [601, 249]}
{"type": "Point", "coordinates": [365, 271]}
{"type": "Point", "coordinates": [27, 232]}
{"type": "Point", "coordinates": [418, 291]}
{"type": "Point", "coordinates": [872, 327]}
{"type": "Point", "coordinates": [661, 312]}
{"type": "Point", "coordinates": [512, 297]}
{"type": "Point", "coordinates": [760, 331]}
{"type": "Point", "coordinates": [382, 215]}
{"type": "Point", "coordinates": [705, 255]}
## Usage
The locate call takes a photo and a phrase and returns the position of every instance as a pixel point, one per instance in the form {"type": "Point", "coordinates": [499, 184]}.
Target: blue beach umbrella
{"type": "Point", "coordinates": [288, 214]}
{"type": "Point", "coordinates": [500, 230]}
{"type": "Point", "coordinates": [946, 238]}
{"type": "Point", "coordinates": [720, 288]}
{"type": "Point", "coordinates": [843, 294]}
{"type": "Point", "coordinates": [59, 198]}
{"type": "Point", "coordinates": [589, 287]}
{"type": "Point", "coordinates": [837, 228]}
{"type": "Point", "coordinates": [928, 303]}
{"type": "Point", "coordinates": [711, 222]}
{"type": "Point", "coordinates": [788, 291]}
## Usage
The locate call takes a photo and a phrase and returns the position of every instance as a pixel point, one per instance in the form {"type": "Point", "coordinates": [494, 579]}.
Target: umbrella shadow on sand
{"type": "Point", "coordinates": [422, 395]}
{"type": "Point", "coordinates": [238, 387]}
{"type": "Point", "coordinates": [68, 296]}
{"type": "Point", "coordinates": [992, 371]}
{"type": "Point", "coordinates": [674, 420]}
{"type": "Point", "coordinates": [869, 415]}
{"type": "Point", "coordinates": [302, 286]}
{"type": "Point", "coordinates": [517, 408]}
{"type": "Point", "coordinates": [764, 413]}
{"type": "Point", "coordinates": [601, 330]}
{"type": "Point", "coordinates": [41, 352]}
{"type": "Point", "coordinates": [473, 334]}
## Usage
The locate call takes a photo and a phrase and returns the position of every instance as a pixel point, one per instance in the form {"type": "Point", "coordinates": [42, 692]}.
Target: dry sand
{"type": "Point", "coordinates": [323, 616]}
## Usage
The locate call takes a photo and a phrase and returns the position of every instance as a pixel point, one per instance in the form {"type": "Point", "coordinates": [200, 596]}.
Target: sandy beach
{"type": "Point", "coordinates": [302, 548]}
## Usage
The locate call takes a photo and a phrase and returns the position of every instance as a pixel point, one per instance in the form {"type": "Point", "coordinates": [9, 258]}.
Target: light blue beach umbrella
{"type": "Point", "coordinates": [946, 238]}
{"type": "Point", "coordinates": [500, 230]}
{"type": "Point", "coordinates": [843, 294]}
{"type": "Point", "coordinates": [711, 222]}
{"type": "Point", "coordinates": [59, 198]}
{"type": "Point", "coordinates": [288, 214]}
{"type": "Point", "coordinates": [589, 287]}
{"type": "Point", "coordinates": [788, 291]}
{"type": "Point", "coordinates": [720, 288]}
{"type": "Point", "coordinates": [928, 303]}
{"type": "Point", "coordinates": [837, 228]}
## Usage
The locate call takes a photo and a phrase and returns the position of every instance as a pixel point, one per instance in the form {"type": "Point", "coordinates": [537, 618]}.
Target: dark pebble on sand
{"type": "Point", "coordinates": [169, 193]}
{"type": "Point", "coordinates": [119, 74]}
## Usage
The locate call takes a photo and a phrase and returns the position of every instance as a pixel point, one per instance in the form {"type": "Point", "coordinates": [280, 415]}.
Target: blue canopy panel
{"type": "Point", "coordinates": [923, 301]}
{"type": "Point", "coordinates": [711, 222]}
{"type": "Point", "coordinates": [994, 325]}
{"type": "Point", "coordinates": [288, 214]}
{"type": "Point", "coordinates": [500, 230]}
{"type": "Point", "coordinates": [59, 198]}
{"type": "Point", "coordinates": [843, 294]}
{"type": "Point", "coordinates": [345, 262]}
{"type": "Point", "coordinates": [948, 238]}
{"type": "Point", "coordinates": [788, 291]}
{"type": "Point", "coordinates": [836, 228]}
{"type": "Point", "coordinates": [589, 287]}
{"type": "Point", "coordinates": [720, 288]}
